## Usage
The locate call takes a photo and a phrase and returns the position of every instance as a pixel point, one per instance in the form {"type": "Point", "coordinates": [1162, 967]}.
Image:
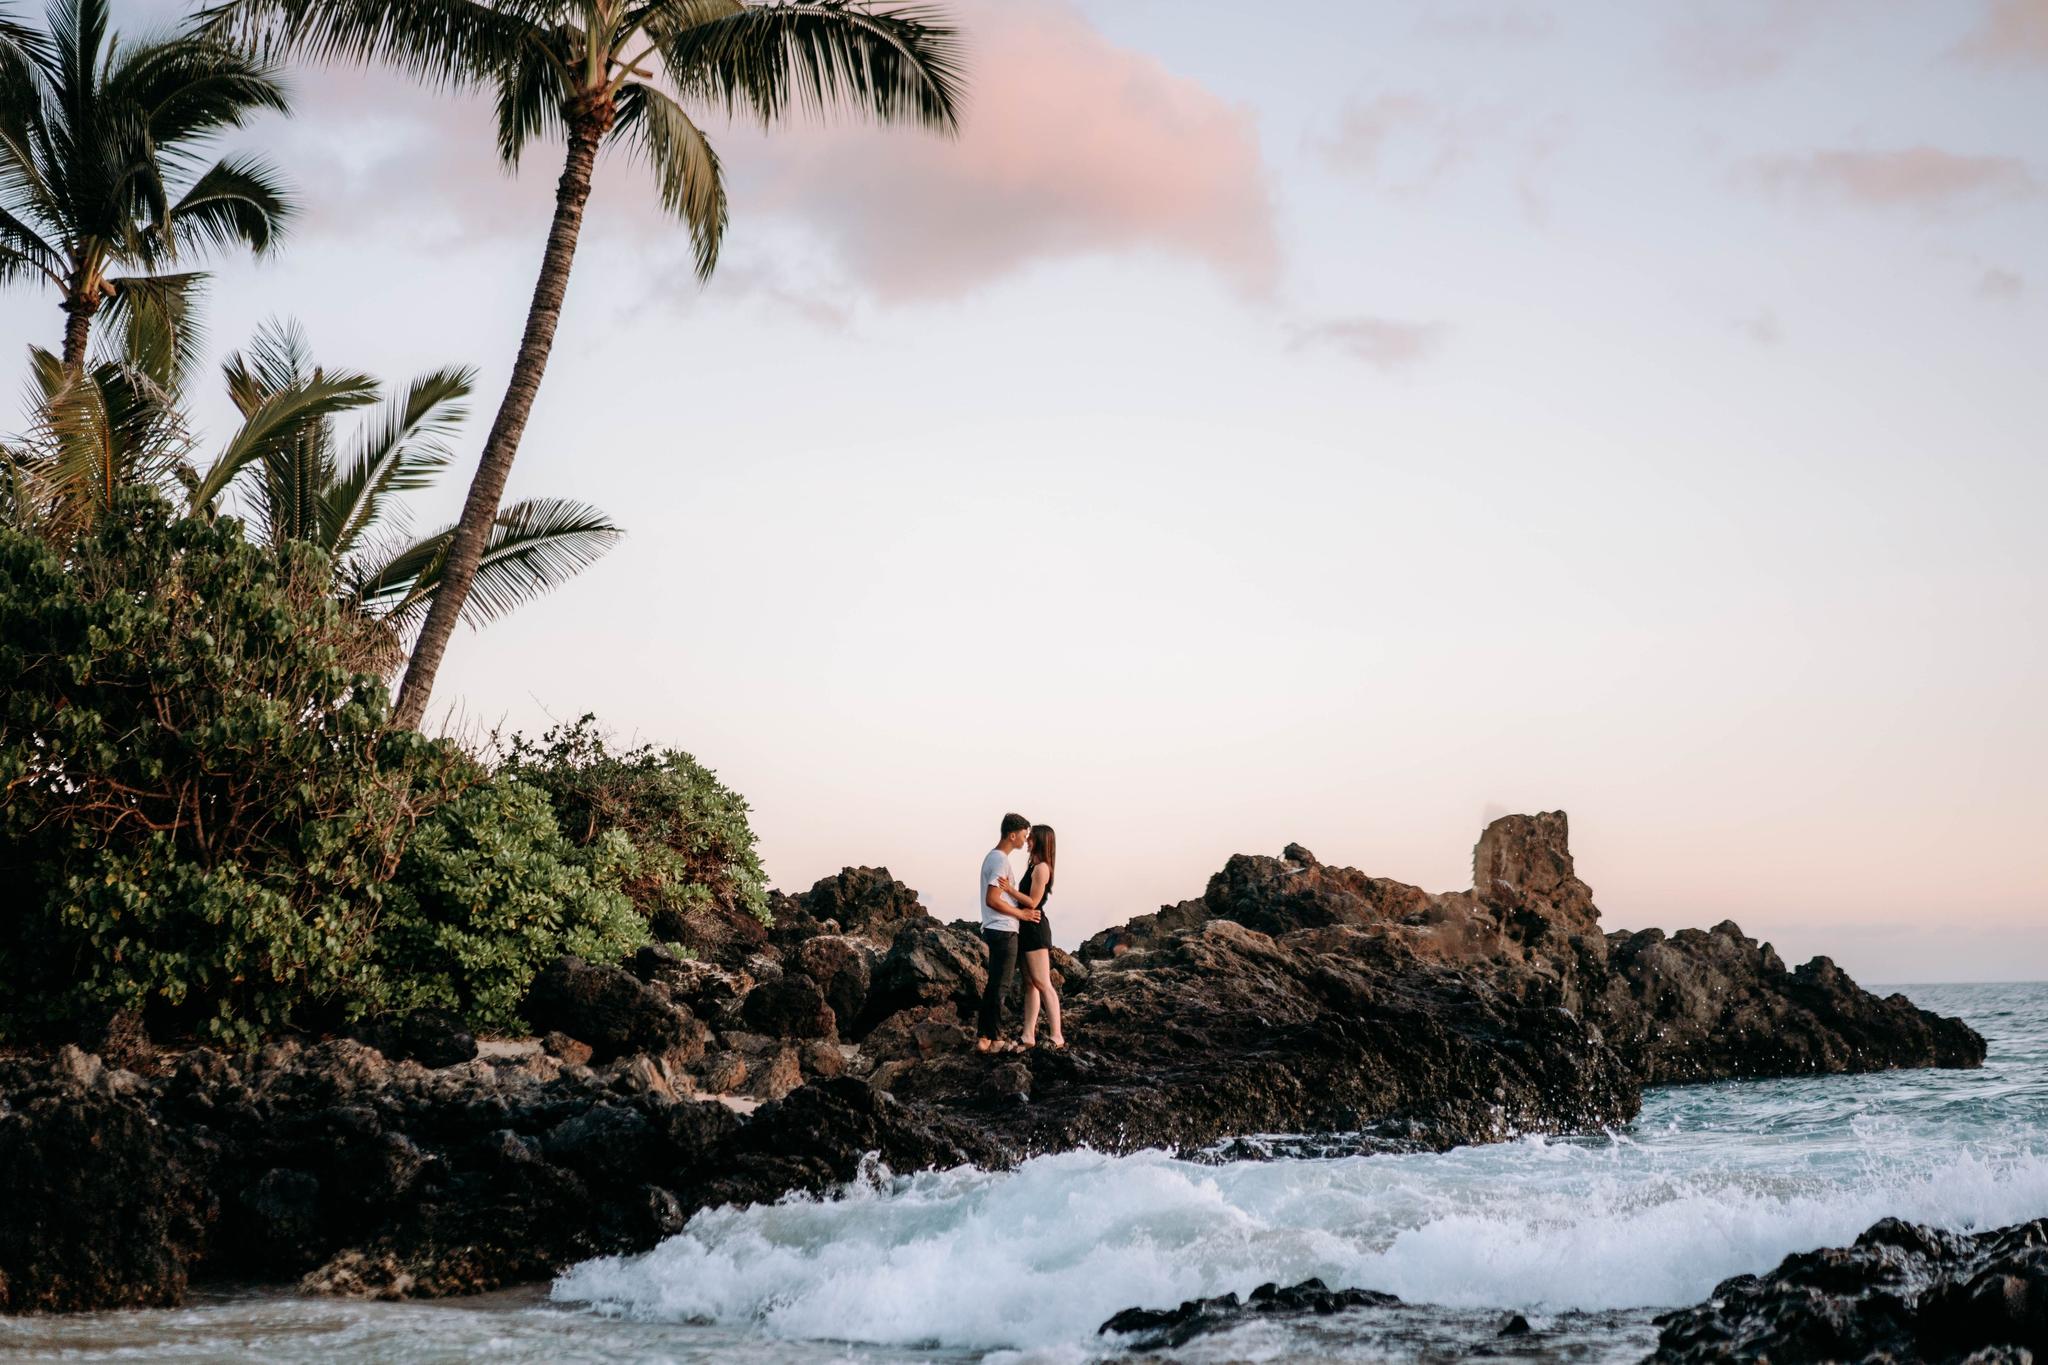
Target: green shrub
{"type": "Point", "coordinates": [489, 892]}
{"type": "Point", "coordinates": [691, 845]}
{"type": "Point", "coordinates": [202, 801]}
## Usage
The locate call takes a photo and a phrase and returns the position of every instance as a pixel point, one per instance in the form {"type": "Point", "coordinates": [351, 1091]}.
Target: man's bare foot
{"type": "Point", "coordinates": [984, 1045]}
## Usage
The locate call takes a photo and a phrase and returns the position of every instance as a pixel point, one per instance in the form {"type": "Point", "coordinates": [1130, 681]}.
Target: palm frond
{"type": "Point", "coordinates": [896, 64]}
{"type": "Point", "coordinates": [685, 165]}
{"type": "Point", "coordinates": [186, 88]}
{"type": "Point", "coordinates": [403, 449]}
{"type": "Point", "coordinates": [534, 547]}
{"type": "Point", "coordinates": [155, 322]}
{"type": "Point", "coordinates": [23, 252]}
{"type": "Point", "coordinates": [275, 429]}
{"type": "Point", "coordinates": [440, 43]}
{"type": "Point", "coordinates": [240, 200]}
{"type": "Point", "coordinates": [530, 91]}
{"type": "Point", "coordinates": [277, 357]}
{"type": "Point", "coordinates": [100, 431]}
{"type": "Point", "coordinates": [19, 43]}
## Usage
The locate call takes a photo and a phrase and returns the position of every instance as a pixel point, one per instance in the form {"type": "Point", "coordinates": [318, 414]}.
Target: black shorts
{"type": "Point", "coordinates": [1034, 935]}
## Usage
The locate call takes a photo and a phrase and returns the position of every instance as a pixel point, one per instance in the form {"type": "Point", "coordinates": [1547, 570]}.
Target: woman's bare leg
{"type": "Point", "coordinates": [1029, 1036]}
{"type": "Point", "coordinates": [1038, 972]}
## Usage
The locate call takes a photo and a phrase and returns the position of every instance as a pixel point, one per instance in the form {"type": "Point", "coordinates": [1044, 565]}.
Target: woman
{"type": "Point", "coordinates": [1034, 939]}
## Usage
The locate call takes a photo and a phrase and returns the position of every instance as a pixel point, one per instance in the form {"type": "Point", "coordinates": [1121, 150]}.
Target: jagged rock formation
{"type": "Point", "coordinates": [1902, 1292]}
{"type": "Point", "coordinates": [1291, 997]}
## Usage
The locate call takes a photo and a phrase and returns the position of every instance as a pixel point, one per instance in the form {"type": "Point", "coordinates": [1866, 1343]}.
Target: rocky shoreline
{"type": "Point", "coordinates": [742, 1062]}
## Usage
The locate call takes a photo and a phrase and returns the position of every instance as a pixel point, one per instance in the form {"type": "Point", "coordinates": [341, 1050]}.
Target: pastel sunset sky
{"type": "Point", "coordinates": [1311, 421]}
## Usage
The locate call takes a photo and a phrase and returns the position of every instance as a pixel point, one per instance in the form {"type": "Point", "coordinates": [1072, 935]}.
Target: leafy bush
{"type": "Point", "coordinates": [206, 817]}
{"type": "Point", "coordinates": [201, 800]}
{"type": "Point", "coordinates": [489, 892]}
{"type": "Point", "coordinates": [691, 845]}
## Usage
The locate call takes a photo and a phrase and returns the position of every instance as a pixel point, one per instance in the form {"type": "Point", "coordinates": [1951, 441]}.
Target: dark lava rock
{"type": "Point", "coordinates": [1159, 1329]}
{"type": "Point", "coordinates": [606, 1007]}
{"type": "Point", "coordinates": [823, 1134]}
{"type": "Point", "coordinates": [101, 1206]}
{"type": "Point", "coordinates": [721, 934]}
{"type": "Point", "coordinates": [1710, 1004]}
{"type": "Point", "coordinates": [424, 1036]}
{"type": "Point", "coordinates": [791, 1006]}
{"type": "Point", "coordinates": [864, 902]}
{"type": "Point", "coordinates": [928, 963]}
{"type": "Point", "coordinates": [843, 967]}
{"type": "Point", "coordinates": [1902, 1292]}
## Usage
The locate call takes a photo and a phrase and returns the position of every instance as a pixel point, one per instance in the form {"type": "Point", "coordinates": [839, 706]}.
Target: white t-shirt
{"type": "Point", "coordinates": [994, 868]}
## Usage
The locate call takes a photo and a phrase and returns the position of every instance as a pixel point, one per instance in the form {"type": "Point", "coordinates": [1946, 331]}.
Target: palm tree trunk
{"type": "Point", "coordinates": [587, 128]}
{"type": "Point", "coordinates": [77, 331]}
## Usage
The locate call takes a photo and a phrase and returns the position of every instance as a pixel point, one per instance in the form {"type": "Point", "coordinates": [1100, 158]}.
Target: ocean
{"type": "Point", "coordinates": [1587, 1237]}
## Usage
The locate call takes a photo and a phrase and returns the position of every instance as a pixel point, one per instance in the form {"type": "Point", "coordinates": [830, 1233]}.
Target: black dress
{"type": "Point", "coordinates": [1035, 935]}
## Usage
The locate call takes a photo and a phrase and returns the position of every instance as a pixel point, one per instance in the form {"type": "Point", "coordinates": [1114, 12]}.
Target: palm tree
{"type": "Point", "coordinates": [600, 73]}
{"type": "Point", "coordinates": [102, 161]}
{"type": "Point", "coordinates": [118, 424]}
{"type": "Point", "coordinates": [309, 487]}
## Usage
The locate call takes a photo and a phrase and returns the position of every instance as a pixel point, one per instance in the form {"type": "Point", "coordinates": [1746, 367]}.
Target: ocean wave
{"type": "Point", "coordinates": [1038, 1257]}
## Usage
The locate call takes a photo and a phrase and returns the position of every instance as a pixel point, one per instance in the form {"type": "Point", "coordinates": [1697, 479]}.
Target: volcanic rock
{"type": "Point", "coordinates": [606, 1007]}
{"type": "Point", "coordinates": [865, 902]}
{"type": "Point", "coordinates": [927, 964]}
{"type": "Point", "coordinates": [1709, 1004]}
{"type": "Point", "coordinates": [790, 1006]}
{"type": "Point", "coordinates": [1902, 1292]}
{"type": "Point", "coordinates": [101, 1206]}
{"type": "Point", "coordinates": [843, 967]}
{"type": "Point", "coordinates": [1159, 1329]}
{"type": "Point", "coordinates": [428, 1037]}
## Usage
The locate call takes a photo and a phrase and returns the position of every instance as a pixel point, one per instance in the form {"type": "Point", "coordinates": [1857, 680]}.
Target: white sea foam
{"type": "Point", "coordinates": [1039, 1257]}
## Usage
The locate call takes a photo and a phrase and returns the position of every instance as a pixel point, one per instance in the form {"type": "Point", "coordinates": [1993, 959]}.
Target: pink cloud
{"type": "Point", "coordinates": [1382, 343]}
{"type": "Point", "coordinates": [1913, 177]}
{"type": "Point", "coordinates": [1070, 146]}
{"type": "Point", "coordinates": [2013, 33]}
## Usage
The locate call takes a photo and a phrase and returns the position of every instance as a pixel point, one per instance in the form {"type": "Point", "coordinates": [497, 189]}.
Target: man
{"type": "Point", "coordinates": [1000, 916]}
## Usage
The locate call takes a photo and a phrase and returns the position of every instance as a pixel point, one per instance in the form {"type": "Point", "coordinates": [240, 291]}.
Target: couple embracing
{"type": "Point", "coordinates": [1013, 925]}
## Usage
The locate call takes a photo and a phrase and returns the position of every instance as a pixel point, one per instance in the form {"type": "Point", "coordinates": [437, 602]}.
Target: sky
{"type": "Point", "coordinates": [1318, 422]}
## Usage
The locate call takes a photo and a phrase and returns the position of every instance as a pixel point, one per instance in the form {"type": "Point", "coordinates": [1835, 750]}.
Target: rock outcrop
{"type": "Point", "coordinates": [362, 1176]}
{"type": "Point", "coordinates": [1902, 1292]}
{"type": "Point", "coordinates": [1159, 1329]}
{"type": "Point", "coordinates": [741, 1061]}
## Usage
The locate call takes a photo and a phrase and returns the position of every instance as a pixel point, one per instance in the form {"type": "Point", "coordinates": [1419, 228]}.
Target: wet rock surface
{"type": "Point", "coordinates": [1901, 1292]}
{"type": "Point", "coordinates": [1158, 1329]}
{"type": "Point", "coordinates": [738, 1062]}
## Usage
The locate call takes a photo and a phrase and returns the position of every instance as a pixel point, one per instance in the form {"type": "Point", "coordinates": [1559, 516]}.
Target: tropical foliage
{"type": "Point", "coordinates": [686, 838]}
{"type": "Point", "coordinates": [203, 800]}
{"type": "Point", "coordinates": [105, 179]}
{"type": "Point", "coordinates": [489, 892]}
{"type": "Point", "coordinates": [210, 821]}
{"type": "Point", "coordinates": [617, 75]}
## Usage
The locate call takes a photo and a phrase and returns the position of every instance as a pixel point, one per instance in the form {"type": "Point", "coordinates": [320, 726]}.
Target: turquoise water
{"type": "Point", "coordinates": [1589, 1237]}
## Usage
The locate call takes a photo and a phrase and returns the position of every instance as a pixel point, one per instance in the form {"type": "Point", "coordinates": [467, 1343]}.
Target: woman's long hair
{"type": "Point", "coordinates": [1044, 849]}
